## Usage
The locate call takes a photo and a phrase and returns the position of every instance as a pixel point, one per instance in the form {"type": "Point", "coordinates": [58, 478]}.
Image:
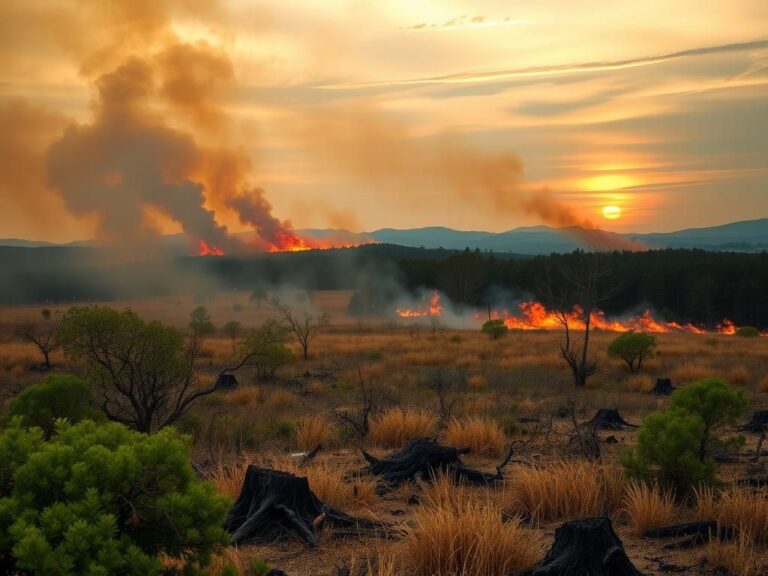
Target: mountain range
{"type": "Point", "coordinates": [744, 236]}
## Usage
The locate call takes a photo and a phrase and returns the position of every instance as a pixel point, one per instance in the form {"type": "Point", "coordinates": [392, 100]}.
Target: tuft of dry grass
{"type": "Point", "coordinates": [763, 384]}
{"type": "Point", "coordinates": [313, 431]}
{"type": "Point", "coordinates": [739, 375]}
{"type": "Point", "coordinates": [564, 490]}
{"type": "Point", "coordinates": [481, 435]}
{"type": "Point", "coordinates": [468, 538]}
{"type": "Point", "coordinates": [647, 506]}
{"type": "Point", "coordinates": [246, 396]}
{"type": "Point", "coordinates": [690, 372]}
{"type": "Point", "coordinates": [640, 383]}
{"type": "Point", "coordinates": [736, 557]}
{"type": "Point", "coordinates": [228, 479]}
{"type": "Point", "coordinates": [737, 508]}
{"type": "Point", "coordinates": [396, 426]}
{"type": "Point", "coordinates": [280, 399]}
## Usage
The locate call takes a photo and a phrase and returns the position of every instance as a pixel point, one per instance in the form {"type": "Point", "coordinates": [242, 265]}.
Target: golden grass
{"type": "Point", "coordinates": [737, 508]}
{"type": "Point", "coordinates": [564, 490]}
{"type": "Point", "coordinates": [481, 435]}
{"type": "Point", "coordinates": [739, 375]}
{"type": "Point", "coordinates": [246, 396]}
{"type": "Point", "coordinates": [476, 382]}
{"type": "Point", "coordinates": [228, 478]}
{"type": "Point", "coordinates": [313, 431]}
{"type": "Point", "coordinates": [468, 538]}
{"type": "Point", "coordinates": [640, 383]}
{"type": "Point", "coordinates": [396, 426]}
{"type": "Point", "coordinates": [690, 372]}
{"type": "Point", "coordinates": [763, 384]}
{"type": "Point", "coordinates": [646, 507]}
{"type": "Point", "coordinates": [737, 557]}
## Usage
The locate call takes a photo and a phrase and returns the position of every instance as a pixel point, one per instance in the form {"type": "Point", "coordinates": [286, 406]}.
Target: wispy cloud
{"type": "Point", "coordinates": [570, 68]}
{"type": "Point", "coordinates": [466, 22]}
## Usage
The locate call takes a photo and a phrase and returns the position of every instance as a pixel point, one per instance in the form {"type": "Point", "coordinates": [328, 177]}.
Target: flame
{"type": "Point", "coordinates": [433, 308]}
{"type": "Point", "coordinates": [287, 241]}
{"type": "Point", "coordinates": [726, 327]}
{"type": "Point", "coordinates": [206, 249]}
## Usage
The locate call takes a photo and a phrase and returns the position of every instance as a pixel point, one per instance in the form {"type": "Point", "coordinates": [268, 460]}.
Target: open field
{"type": "Point", "coordinates": [494, 392]}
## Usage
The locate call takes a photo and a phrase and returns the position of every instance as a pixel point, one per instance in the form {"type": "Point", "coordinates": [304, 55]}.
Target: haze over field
{"type": "Point", "coordinates": [126, 120]}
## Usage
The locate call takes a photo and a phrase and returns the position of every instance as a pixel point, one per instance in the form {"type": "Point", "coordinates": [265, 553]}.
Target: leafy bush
{"type": "Point", "coordinates": [674, 445]}
{"type": "Point", "coordinates": [633, 348]}
{"type": "Point", "coordinates": [200, 322]}
{"type": "Point", "coordinates": [747, 332]}
{"type": "Point", "coordinates": [101, 499]}
{"type": "Point", "coordinates": [495, 328]}
{"type": "Point", "coordinates": [58, 396]}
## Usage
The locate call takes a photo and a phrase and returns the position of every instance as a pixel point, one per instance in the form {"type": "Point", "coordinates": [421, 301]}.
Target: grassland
{"type": "Point", "coordinates": [488, 386]}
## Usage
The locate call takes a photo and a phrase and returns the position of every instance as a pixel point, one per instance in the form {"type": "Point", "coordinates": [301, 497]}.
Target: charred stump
{"type": "Point", "coordinates": [758, 423]}
{"type": "Point", "coordinates": [423, 459]}
{"type": "Point", "coordinates": [586, 547]}
{"type": "Point", "coordinates": [663, 387]}
{"type": "Point", "coordinates": [277, 505]}
{"type": "Point", "coordinates": [226, 382]}
{"type": "Point", "coordinates": [609, 419]}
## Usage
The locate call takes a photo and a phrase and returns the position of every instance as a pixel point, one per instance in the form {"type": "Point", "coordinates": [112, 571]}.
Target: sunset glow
{"type": "Point", "coordinates": [611, 212]}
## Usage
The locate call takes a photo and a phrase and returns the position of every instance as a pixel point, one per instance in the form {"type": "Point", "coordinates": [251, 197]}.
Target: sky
{"type": "Point", "coordinates": [125, 118]}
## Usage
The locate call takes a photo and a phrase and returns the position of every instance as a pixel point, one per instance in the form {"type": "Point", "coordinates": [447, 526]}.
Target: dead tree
{"type": "Point", "coordinates": [44, 335]}
{"type": "Point", "coordinates": [359, 418]}
{"type": "Point", "coordinates": [305, 326]}
{"type": "Point", "coordinates": [276, 506]}
{"type": "Point", "coordinates": [574, 296]}
{"type": "Point", "coordinates": [423, 459]}
{"type": "Point", "coordinates": [588, 547]}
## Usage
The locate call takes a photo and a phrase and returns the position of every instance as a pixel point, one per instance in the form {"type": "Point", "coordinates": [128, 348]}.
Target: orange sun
{"type": "Point", "coordinates": [612, 212]}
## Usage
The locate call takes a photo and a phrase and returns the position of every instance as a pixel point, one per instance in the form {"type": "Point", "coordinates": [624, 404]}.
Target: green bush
{"type": "Point", "coordinates": [58, 396]}
{"type": "Point", "coordinates": [495, 328]}
{"type": "Point", "coordinates": [633, 348]}
{"type": "Point", "coordinates": [674, 445]}
{"type": "Point", "coordinates": [100, 499]}
{"type": "Point", "coordinates": [747, 332]}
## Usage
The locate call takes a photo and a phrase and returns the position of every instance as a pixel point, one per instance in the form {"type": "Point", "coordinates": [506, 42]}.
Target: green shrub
{"type": "Point", "coordinates": [58, 396]}
{"type": "Point", "coordinates": [633, 348]}
{"type": "Point", "coordinates": [495, 328]}
{"type": "Point", "coordinates": [100, 499]}
{"type": "Point", "coordinates": [674, 445]}
{"type": "Point", "coordinates": [747, 331]}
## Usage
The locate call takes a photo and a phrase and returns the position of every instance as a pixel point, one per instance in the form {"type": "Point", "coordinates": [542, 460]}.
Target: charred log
{"type": "Point", "coordinates": [609, 419]}
{"type": "Point", "coordinates": [277, 505]}
{"type": "Point", "coordinates": [758, 423]}
{"type": "Point", "coordinates": [424, 458]}
{"type": "Point", "coordinates": [663, 387]}
{"type": "Point", "coordinates": [586, 547]}
{"type": "Point", "coordinates": [698, 533]}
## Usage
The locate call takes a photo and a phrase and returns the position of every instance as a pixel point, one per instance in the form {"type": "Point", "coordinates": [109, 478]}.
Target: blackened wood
{"type": "Point", "coordinates": [609, 419]}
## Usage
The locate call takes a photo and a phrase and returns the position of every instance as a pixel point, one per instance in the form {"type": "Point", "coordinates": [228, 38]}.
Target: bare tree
{"type": "Point", "coordinates": [304, 325]}
{"type": "Point", "coordinates": [44, 335]}
{"type": "Point", "coordinates": [573, 295]}
{"type": "Point", "coordinates": [233, 328]}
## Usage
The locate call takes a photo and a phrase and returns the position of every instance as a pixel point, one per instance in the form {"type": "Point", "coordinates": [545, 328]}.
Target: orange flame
{"type": "Point", "coordinates": [726, 327]}
{"type": "Point", "coordinates": [206, 249]}
{"type": "Point", "coordinates": [432, 309]}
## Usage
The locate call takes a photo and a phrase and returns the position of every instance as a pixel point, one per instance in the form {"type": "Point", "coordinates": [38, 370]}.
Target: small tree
{"type": "Point", "coordinates": [58, 396]}
{"type": "Point", "coordinates": [304, 325]}
{"type": "Point", "coordinates": [44, 335]}
{"type": "Point", "coordinates": [747, 332]}
{"type": "Point", "coordinates": [259, 295]}
{"type": "Point", "coordinates": [633, 348]}
{"type": "Point", "coordinates": [200, 322]}
{"type": "Point", "coordinates": [265, 350]}
{"type": "Point", "coordinates": [119, 502]}
{"type": "Point", "coordinates": [674, 445]}
{"type": "Point", "coordinates": [495, 328]}
{"type": "Point", "coordinates": [232, 329]}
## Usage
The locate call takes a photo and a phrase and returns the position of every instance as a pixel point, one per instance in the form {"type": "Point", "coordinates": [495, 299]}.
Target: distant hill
{"type": "Point", "coordinates": [746, 236]}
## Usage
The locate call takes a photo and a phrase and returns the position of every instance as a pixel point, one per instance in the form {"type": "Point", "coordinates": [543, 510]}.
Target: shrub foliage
{"type": "Point", "coordinates": [633, 348]}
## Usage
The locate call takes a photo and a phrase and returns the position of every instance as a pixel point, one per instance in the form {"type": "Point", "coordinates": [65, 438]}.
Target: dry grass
{"type": "Point", "coordinates": [228, 479]}
{"type": "Point", "coordinates": [642, 383]}
{"type": "Point", "coordinates": [481, 435]}
{"type": "Point", "coordinates": [313, 431]}
{"type": "Point", "coordinates": [396, 426]}
{"type": "Point", "coordinates": [564, 490]}
{"type": "Point", "coordinates": [246, 396]}
{"type": "Point", "coordinates": [737, 557]}
{"type": "Point", "coordinates": [646, 507]}
{"type": "Point", "coordinates": [763, 384]}
{"type": "Point", "coordinates": [739, 375]}
{"type": "Point", "coordinates": [690, 372]}
{"type": "Point", "coordinates": [738, 508]}
{"type": "Point", "coordinates": [468, 538]}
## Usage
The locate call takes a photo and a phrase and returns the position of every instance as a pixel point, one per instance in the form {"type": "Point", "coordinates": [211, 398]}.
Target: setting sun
{"type": "Point", "coordinates": [612, 212]}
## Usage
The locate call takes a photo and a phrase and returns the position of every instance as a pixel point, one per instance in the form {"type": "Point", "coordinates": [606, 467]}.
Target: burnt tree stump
{"type": "Point", "coordinates": [663, 387]}
{"type": "Point", "coordinates": [422, 459]}
{"type": "Point", "coordinates": [226, 382]}
{"type": "Point", "coordinates": [586, 547]}
{"type": "Point", "coordinates": [758, 423]}
{"type": "Point", "coordinates": [609, 419]}
{"type": "Point", "coordinates": [277, 505]}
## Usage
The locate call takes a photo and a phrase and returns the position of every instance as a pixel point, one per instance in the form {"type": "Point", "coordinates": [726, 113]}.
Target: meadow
{"type": "Point", "coordinates": [421, 378]}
